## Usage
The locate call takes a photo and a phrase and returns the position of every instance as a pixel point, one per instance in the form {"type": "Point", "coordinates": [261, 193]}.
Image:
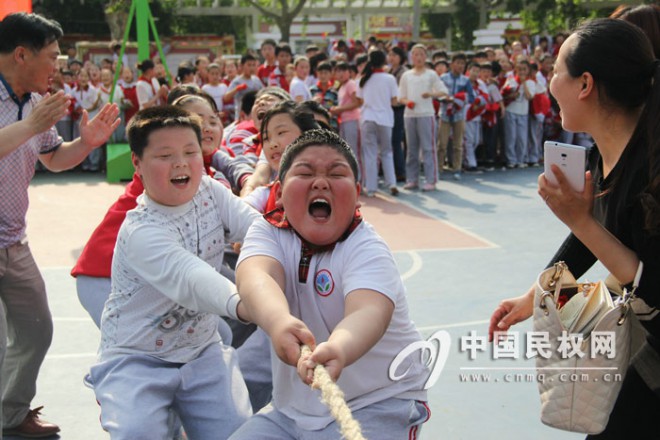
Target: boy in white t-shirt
{"type": "Point", "coordinates": [160, 348]}
{"type": "Point", "coordinates": [313, 272]}
{"type": "Point", "coordinates": [297, 88]}
{"type": "Point", "coordinates": [215, 87]}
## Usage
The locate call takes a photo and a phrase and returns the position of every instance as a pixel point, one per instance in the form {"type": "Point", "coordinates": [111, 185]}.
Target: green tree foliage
{"type": "Point", "coordinates": [75, 18]}
{"type": "Point", "coordinates": [553, 16]}
{"type": "Point", "coordinates": [463, 23]}
{"type": "Point", "coordinates": [90, 18]}
{"type": "Point", "coordinates": [538, 16]}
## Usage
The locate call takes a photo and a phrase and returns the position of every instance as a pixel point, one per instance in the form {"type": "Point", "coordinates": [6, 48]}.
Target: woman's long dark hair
{"type": "Point", "coordinates": [645, 17]}
{"type": "Point", "coordinates": [626, 74]}
{"type": "Point", "coordinates": [377, 60]}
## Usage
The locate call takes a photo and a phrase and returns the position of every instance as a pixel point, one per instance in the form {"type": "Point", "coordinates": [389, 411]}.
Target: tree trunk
{"type": "Point", "coordinates": [285, 28]}
{"type": "Point", "coordinates": [116, 19]}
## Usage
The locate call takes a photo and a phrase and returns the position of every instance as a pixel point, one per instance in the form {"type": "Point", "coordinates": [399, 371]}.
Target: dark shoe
{"type": "Point", "coordinates": [32, 426]}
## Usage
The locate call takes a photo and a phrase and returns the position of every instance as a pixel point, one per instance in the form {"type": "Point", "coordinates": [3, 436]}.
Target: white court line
{"type": "Point", "coordinates": [449, 249]}
{"type": "Point", "coordinates": [417, 264]}
{"type": "Point", "coordinates": [456, 324]}
{"type": "Point", "coordinates": [70, 356]}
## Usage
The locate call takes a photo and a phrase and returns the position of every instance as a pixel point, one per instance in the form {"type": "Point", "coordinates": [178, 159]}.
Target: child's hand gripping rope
{"type": "Point", "coordinates": [331, 395]}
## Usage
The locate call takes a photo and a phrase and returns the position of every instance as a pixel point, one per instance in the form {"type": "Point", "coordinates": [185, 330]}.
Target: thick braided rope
{"type": "Point", "coordinates": [333, 397]}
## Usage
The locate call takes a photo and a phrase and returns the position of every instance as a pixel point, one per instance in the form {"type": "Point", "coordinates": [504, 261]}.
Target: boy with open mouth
{"type": "Point", "coordinates": [312, 272]}
{"type": "Point", "coordinates": [160, 347]}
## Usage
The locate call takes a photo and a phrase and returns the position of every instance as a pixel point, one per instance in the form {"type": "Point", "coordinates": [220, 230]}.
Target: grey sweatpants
{"type": "Point", "coordinates": [376, 143]}
{"type": "Point", "coordinates": [420, 138]}
{"type": "Point", "coordinates": [388, 419]}
{"type": "Point", "coordinates": [136, 393]}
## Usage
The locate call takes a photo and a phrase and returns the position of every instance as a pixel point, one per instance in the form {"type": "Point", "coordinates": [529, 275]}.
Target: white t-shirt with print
{"type": "Point", "coordinates": [167, 291]}
{"type": "Point", "coordinates": [362, 261]}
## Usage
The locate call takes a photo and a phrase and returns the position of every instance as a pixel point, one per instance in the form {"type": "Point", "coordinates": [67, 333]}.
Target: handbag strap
{"type": "Point", "coordinates": [553, 286]}
{"type": "Point", "coordinates": [629, 295]}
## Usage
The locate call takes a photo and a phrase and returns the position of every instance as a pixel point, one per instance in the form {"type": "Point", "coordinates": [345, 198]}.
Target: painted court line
{"type": "Point", "coordinates": [417, 264]}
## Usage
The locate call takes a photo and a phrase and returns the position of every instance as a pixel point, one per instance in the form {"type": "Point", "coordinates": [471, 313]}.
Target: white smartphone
{"type": "Point", "coordinates": [571, 159]}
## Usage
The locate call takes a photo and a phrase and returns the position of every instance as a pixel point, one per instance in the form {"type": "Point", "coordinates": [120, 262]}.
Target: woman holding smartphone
{"type": "Point", "coordinates": [607, 83]}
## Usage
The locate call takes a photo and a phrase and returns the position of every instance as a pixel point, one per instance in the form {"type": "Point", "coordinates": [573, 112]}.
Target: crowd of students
{"type": "Point", "coordinates": [472, 113]}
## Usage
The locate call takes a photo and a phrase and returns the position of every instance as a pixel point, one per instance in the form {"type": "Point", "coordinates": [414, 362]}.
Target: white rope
{"type": "Point", "coordinates": [333, 397]}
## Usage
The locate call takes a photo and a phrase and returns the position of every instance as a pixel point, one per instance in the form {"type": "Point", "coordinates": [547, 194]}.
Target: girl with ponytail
{"type": "Point", "coordinates": [377, 93]}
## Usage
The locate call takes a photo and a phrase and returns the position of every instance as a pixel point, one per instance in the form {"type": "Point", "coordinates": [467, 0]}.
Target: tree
{"type": "Point", "coordinates": [286, 16]}
{"type": "Point", "coordinates": [463, 23]}
{"type": "Point", "coordinates": [552, 16]}
{"type": "Point", "coordinates": [116, 15]}
{"type": "Point", "coordinates": [86, 18]}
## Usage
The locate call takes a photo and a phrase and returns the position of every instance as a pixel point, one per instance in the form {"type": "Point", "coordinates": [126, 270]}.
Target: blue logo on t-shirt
{"type": "Point", "coordinates": [323, 282]}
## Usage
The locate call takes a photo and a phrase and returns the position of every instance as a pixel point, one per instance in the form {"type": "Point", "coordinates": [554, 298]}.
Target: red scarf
{"type": "Point", "coordinates": [277, 218]}
{"type": "Point", "coordinates": [327, 87]}
{"type": "Point", "coordinates": [377, 70]}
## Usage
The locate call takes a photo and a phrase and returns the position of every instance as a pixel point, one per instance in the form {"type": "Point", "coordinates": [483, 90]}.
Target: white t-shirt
{"type": "Point", "coordinates": [362, 261]}
{"type": "Point", "coordinates": [494, 92]}
{"type": "Point", "coordinates": [299, 88]}
{"type": "Point", "coordinates": [258, 198]}
{"type": "Point", "coordinates": [88, 100]}
{"type": "Point", "coordinates": [541, 79]}
{"type": "Point", "coordinates": [253, 83]}
{"type": "Point", "coordinates": [377, 95]}
{"type": "Point", "coordinates": [520, 105]}
{"type": "Point", "coordinates": [540, 88]}
{"type": "Point", "coordinates": [217, 93]}
{"type": "Point", "coordinates": [167, 291]}
{"type": "Point", "coordinates": [105, 96]}
{"type": "Point", "coordinates": [145, 91]}
{"type": "Point", "coordinates": [413, 85]}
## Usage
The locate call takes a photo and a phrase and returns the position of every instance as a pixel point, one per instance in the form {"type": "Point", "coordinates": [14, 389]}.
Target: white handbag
{"type": "Point", "coordinates": [587, 352]}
